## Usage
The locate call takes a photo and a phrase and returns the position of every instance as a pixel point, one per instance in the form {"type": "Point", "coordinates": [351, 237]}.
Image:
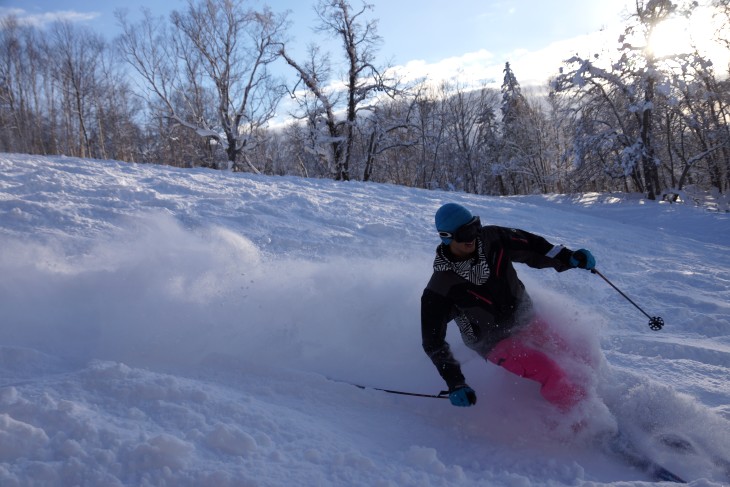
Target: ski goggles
{"type": "Point", "coordinates": [465, 233]}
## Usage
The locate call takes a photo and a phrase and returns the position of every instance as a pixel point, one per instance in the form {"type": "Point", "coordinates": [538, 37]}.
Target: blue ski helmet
{"type": "Point", "coordinates": [450, 217]}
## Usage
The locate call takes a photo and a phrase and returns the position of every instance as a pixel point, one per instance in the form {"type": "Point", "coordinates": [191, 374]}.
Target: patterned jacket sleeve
{"type": "Point", "coordinates": [534, 250]}
{"type": "Point", "coordinates": [435, 315]}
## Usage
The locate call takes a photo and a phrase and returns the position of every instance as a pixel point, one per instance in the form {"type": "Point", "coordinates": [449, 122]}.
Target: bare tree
{"type": "Point", "coordinates": [430, 131]}
{"type": "Point", "coordinates": [362, 79]}
{"type": "Point", "coordinates": [386, 129]}
{"type": "Point", "coordinates": [627, 92]}
{"type": "Point", "coordinates": [470, 128]}
{"type": "Point", "coordinates": [77, 52]}
{"type": "Point", "coordinates": [219, 49]}
{"type": "Point", "coordinates": [319, 106]}
{"type": "Point", "coordinates": [115, 133]}
{"type": "Point", "coordinates": [695, 127]}
{"type": "Point", "coordinates": [16, 86]}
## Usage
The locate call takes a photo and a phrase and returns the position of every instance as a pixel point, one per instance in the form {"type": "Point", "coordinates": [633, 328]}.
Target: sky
{"type": "Point", "coordinates": [201, 328]}
{"type": "Point", "coordinates": [476, 38]}
{"type": "Point", "coordinates": [424, 40]}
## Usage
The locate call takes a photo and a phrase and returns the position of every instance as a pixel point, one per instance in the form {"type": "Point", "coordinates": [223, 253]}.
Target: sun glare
{"type": "Point", "coordinates": [681, 35]}
{"type": "Point", "coordinates": [671, 37]}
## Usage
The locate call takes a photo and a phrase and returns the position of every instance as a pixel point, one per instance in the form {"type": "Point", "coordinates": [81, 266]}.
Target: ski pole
{"type": "Point", "coordinates": [655, 322]}
{"type": "Point", "coordinates": [440, 395]}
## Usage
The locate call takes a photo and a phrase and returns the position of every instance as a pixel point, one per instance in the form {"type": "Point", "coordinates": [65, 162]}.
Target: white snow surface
{"type": "Point", "coordinates": [178, 327]}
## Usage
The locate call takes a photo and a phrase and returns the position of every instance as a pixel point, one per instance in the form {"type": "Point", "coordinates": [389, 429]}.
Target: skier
{"type": "Point", "coordinates": [475, 285]}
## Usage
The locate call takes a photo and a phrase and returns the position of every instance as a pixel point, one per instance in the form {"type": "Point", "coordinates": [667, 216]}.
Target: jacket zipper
{"type": "Point", "coordinates": [480, 297]}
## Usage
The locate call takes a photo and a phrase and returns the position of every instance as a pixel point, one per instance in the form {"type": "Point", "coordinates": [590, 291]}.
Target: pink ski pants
{"type": "Point", "coordinates": [522, 355]}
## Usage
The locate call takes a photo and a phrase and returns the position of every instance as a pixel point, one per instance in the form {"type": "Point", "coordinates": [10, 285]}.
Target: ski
{"type": "Point", "coordinates": [682, 445]}
{"type": "Point", "coordinates": [622, 448]}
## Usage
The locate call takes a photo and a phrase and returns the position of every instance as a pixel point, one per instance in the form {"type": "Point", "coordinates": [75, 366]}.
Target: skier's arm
{"type": "Point", "coordinates": [535, 251]}
{"type": "Point", "coordinates": [435, 315]}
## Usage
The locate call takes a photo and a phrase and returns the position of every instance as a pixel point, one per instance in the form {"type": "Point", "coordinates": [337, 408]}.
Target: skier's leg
{"type": "Point", "coordinates": [530, 363]}
{"type": "Point", "coordinates": [542, 335]}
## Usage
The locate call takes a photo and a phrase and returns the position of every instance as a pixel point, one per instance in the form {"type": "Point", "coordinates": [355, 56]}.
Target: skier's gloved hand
{"type": "Point", "coordinates": [463, 396]}
{"type": "Point", "coordinates": [583, 258]}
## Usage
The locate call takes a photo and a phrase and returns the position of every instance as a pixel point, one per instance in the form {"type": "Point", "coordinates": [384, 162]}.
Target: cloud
{"type": "Point", "coordinates": [44, 18]}
{"type": "Point", "coordinates": [475, 68]}
{"type": "Point", "coordinates": [532, 67]}
{"type": "Point", "coordinates": [535, 68]}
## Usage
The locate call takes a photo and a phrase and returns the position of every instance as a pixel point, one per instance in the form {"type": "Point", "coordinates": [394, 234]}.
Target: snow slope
{"type": "Point", "coordinates": [176, 327]}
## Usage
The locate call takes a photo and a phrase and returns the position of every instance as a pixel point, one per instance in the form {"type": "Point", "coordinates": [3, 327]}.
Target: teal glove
{"type": "Point", "coordinates": [583, 258]}
{"type": "Point", "coordinates": [463, 396]}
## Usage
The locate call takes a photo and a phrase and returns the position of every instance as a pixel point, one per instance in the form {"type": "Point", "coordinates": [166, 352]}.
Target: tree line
{"type": "Point", "coordinates": [198, 89]}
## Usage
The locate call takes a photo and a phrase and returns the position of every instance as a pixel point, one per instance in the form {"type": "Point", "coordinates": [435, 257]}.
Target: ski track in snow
{"type": "Point", "coordinates": [178, 327]}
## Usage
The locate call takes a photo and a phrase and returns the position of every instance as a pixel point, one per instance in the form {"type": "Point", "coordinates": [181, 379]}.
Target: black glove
{"type": "Point", "coordinates": [462, 396]}
{"type": "Point", "coordinates": [583, 258]}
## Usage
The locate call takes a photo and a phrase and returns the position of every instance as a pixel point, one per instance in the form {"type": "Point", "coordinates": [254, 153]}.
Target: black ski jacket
{"type": "Point", "coordinates": [483, 295]}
